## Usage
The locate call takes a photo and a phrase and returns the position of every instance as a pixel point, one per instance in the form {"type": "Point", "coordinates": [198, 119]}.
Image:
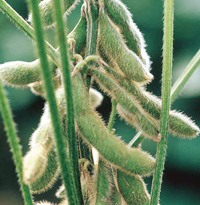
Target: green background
{"type": "Point", "coordinates": [182, 171]}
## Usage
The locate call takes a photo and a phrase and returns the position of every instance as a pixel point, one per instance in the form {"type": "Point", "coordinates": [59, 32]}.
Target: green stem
{"type": "Point", "coordinates": [112, 115]}
{"type": "Point", "coordinates": [55, 118]}
{"type": "Point", "coordinates": [135, 139]}
{"type": "Point", "coordinates": [14, 143]}
{"type": "Point", "coordinates": [24, 26]}
{"type": "Point", "coordinates": [184, 77]}
{"type": "Point", "coordinates": [166, 87]}
{"type": "Point", "coordinates": [66, 73]}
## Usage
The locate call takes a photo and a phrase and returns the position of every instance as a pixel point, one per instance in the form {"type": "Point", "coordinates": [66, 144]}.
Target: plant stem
{"type": "Point", "coordinates": [55, 118]}
{"type": "Point", "coordinates": [24, 26]}
{"type": "Point", "coordinates": [135, 139]}
{"type": "Point", "coordinates": [14, 143]}
{"type": "Point", "coordinates": [66, 73]}
{"type": "Point", "coordinates": [166, 87]}
{"type": "Point", "coordinates": [184, 77]}
{"type": "Point", "coordinates": [112, 115]}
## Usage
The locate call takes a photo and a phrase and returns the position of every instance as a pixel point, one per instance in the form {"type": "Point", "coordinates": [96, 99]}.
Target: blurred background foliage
{"type": "Point", "coordinates": [182, 171]}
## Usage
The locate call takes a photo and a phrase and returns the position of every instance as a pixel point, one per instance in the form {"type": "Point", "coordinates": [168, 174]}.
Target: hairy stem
{"type": "Point", "coordinates": [66, 73]}
{"type": "Point", "coordinates": [184, 77]}
{"type": "Point", "coordinates": [137, 137]}
{"type": "Point", "coordinates": [166, 87]}
{"type": "Point", "coordinates": [112, 115]}
{"type": "Point", "coordinates": [14, 143]}
{"type": "Point", "coordinates": [55, 118]}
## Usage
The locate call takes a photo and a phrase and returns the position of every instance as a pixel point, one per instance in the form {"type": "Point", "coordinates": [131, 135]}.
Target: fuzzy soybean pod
{"type": "Point", "coordinates": [47, 169]}
{"type": "Point", "coordinates": [41, 136]}
{"type": "Point", "coordinates": [153, 107]}
{"type": "Point", "coordinates": [79, 35]}
{"type": "Point", "coordinates": [46, 10]}
{"type": "Point", "coordinates": [115, 197]}
{"type": "Point", "coordinates": [142, 120]}
{"type": "Point", "coordinates": [179, 124]}
{"type": "Point", "coordinates": [49, 176]}
{"type": "Point", "coordinates": [133, 189]}
{"type": "Point", "coordinates": [102, 183]}
{"type": "Point", "coordinates": [110, 147]}
{"type": "Point", "coordinates": [122, 18]}
{"type": "Point", "coordinates": [114, 47]}
{"type": "Point", "coordinates": [20, 73]}
{"type": "Point", "coordinates": [35, 161]}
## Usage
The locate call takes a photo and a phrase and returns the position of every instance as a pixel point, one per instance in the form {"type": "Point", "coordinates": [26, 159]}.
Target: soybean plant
{"type": "Point", "coordinates": [107, 47]}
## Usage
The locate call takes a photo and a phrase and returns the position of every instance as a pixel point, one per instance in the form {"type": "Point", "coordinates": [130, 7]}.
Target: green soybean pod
{"type": "Point", "coordinates": [114, 47]}
{"type": "Point", "coordinates": [20, 73]}
{"type": "Point", "coordinates": [79, 35]}
{"type": "Point", "coordinates": [34, 164]}
{"type": "Point", "coordinates": [133, 189]}
{"type": "Point", "coordinates": [111, 148]}
{"type": "Point", "coordinates": [126, 101]}
{"type": "Point", "coordinates": [35, 161]}
{"type": "Point", "coordinates": [41, 136]}
{"type": "Point", "coordinates": [130, 119]}
{"type": "Point", "coordinates": [46, 10]}
{"type": "Point", "coordinates": [179, 124]}
{"type": "Point", "coordinates": [115, 197]}
{"type": "Point", "coordinates": [150, 103]}
{"type": "Point", "coordinates": [102, 183]}
{"type": "Point", "coordinates": [122, 18]}
{"type": "Point", "coordinates": [49, 176]}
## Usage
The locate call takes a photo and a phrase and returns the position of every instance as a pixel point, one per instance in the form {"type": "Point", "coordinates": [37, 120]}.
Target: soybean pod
{"type": "Point", "coordinates": [125, 100]}
{"type": "Point", "coordinates": [133, 189]}
{"type": "Point", "coordinates": [49, 176]}
{"type": "Point", "coordinates": [179, 124]}
{"type": "Point", "coordinates": [20, 73]}
{"type": "Point", "coordinates": [114, 47]}
{"type": "Point", "coordinates": [42, 137]}
{"type": "Point", "coordinates": [111, 148]}
{"type": "Point", "coordinates": [102, 183]}
{"type": "Point", "coordinates": [133, 38]}
{"type": "Point", "coordinates": [79, 35]}
{"type": "Point", "coordinates": [35, 161]}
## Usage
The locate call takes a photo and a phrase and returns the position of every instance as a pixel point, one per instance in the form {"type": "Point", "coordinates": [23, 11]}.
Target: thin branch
{"type": "Point", "coordinates": [184, 77]}
{"type": "Point", "coordinates": [135, 139]}
{"type": "Point", "coordinates": [112, 115]}
{"type": "Point", "coordinates": [14, 143]}
{"type": "Point", "coordinates": [166, 87]}
{"type": "Point", "coordinates": [66, 74]}
{"type": "Point", "coordinates": [55, 118]}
